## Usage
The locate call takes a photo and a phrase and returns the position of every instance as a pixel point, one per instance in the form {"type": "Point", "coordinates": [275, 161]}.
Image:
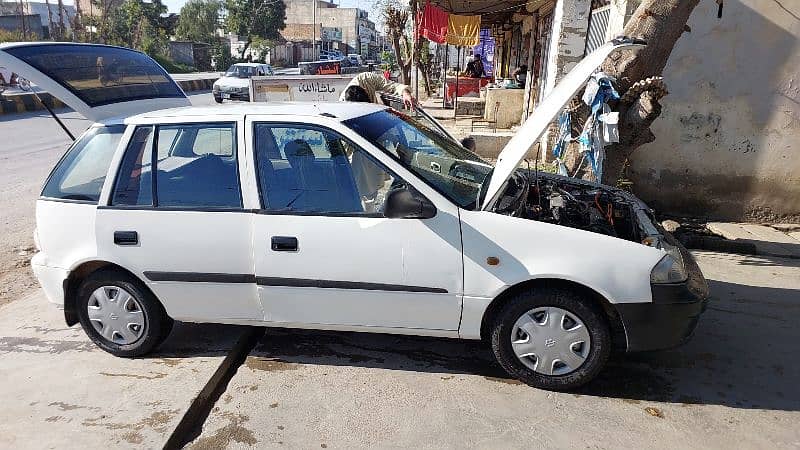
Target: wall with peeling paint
{"type": "Point", "coordinates": [570, 25]}
{"type": "Point", "coordinates": [728, 142]}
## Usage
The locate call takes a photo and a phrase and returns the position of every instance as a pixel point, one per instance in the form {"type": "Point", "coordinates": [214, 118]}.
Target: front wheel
{"type": "Point", "coordinates": [120, 315]}
{"type": "Point", "coordinates": [218, 98]}
{"type": "Point", "coordinates": [551, 338]}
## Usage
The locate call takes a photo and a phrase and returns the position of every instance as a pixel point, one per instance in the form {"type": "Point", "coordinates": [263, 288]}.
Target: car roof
{"type": "Point", "coordinates": [335, 110]}
{"type": "Point", "coordinates": [249, 64]}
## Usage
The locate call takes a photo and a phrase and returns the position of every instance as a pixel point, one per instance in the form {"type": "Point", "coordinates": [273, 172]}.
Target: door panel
{"type": "Point", "coordinates": [184, 231]}
{"type": "Point", "coordinates": [178, 255]}
{"type": "Point", "coordinates": [351, 267]}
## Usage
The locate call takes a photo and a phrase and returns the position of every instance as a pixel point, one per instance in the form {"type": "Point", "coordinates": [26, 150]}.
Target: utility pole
{"type": "Point", "coordinates": [314, 33]}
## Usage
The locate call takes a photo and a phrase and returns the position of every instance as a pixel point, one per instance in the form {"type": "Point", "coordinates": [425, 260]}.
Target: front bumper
{"type": "Point", "coordinates": [671, 317]}
{"type": "Point", "coordinates": [232, 95]}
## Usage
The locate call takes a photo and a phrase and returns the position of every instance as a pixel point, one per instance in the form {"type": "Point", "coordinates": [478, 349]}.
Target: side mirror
{"type": "Point", "coordinates": [406, 203]}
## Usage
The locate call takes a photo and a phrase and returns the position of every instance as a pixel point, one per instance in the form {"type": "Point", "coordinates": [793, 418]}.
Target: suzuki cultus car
{"type": "Point", "coordinates": [339, 216]}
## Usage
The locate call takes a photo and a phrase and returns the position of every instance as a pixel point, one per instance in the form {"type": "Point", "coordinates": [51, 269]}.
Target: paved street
{"type": "Point", "coordinates": [734, 385]}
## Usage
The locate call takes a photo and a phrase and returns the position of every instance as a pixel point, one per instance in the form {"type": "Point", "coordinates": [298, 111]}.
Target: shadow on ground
{"type": "Point", "coordinates": [743, 355]}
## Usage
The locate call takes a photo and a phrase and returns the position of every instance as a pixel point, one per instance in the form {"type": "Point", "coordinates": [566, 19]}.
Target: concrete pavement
{"type": "Point", "coordinates": [60, 391]}
{"type": "Point", "coordinates": [733, 386]}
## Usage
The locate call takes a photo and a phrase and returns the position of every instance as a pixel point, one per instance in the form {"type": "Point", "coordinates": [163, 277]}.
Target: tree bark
{"type": "Point", "coordinates": [50, 20]}
{"type": "Point", "coordinates": [61, 30]}
{"type": "Point", "coordinates": [661, 23]}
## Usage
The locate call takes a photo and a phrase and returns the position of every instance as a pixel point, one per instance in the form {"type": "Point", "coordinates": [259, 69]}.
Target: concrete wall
{"type": "Point", "coordinates": [728, 141]}
{"type": "Point", "coordinates": [33, 24]}
{"type": "Point", "coordinates": [570, 25]}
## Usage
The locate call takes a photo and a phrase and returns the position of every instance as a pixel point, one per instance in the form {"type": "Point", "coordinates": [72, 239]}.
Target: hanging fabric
{"type": "Point", "coordinates": [463, 31]}
{"type": "Point", "coordinates": [601, 127]}
{"type": "Point", "coordinates": [433, 23]}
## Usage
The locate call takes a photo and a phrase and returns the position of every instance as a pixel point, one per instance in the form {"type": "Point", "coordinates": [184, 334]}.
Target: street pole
{"type": "Point", "coordinates": [314, 34]}
{"type": "Point", "coordinates": [444, 73]}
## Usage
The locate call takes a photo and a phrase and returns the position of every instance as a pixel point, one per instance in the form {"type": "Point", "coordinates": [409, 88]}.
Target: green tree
{"type": "Point", "coordinates": [255, 18]}
{"type": "Point", "coordinates": [199, 20]}
{"type": "Point", "coordinates": [136, 24]}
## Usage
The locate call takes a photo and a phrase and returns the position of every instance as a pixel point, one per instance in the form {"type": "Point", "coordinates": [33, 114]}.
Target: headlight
{"type": "Point", "coordinates": [668, 270]}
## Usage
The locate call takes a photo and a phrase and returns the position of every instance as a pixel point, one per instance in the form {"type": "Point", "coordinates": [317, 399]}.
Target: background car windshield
{"type": "Point", "coordinates": [241, 71]}
{"type": "Point", "coordinates": [451, 169]}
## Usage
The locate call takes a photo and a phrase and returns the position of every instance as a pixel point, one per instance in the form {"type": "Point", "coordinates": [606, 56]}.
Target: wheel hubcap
{"type": "Point", "coordinates": [116, 315]}
{"type": "Point", "coordinates": [550, 341]}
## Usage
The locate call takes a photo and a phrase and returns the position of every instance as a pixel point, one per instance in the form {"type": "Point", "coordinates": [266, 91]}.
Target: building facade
{"type": "Point", "coordinates": [348, 30]}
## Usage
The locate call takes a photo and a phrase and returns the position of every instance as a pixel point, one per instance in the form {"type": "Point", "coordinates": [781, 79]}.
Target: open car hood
{"type": "Point", "coordinates": [98, 81]}
{"type": "Point", "coordinates": [547, 110]}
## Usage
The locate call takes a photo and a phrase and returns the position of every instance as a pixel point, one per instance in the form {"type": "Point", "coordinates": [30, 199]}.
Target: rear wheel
{"type": "Point", "coordinates": [551, 338]}
{"type": "Point", "coordinates": [120, 315]}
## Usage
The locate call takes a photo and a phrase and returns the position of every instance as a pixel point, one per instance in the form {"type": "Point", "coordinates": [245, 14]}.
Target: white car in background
{"type": "Point", "coordinates": [340, 216]}
{"type": "Point", "coordinates": [235, 83]}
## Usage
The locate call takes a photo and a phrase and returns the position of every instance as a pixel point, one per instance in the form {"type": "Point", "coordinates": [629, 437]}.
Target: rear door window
{"type": "Point", "coordinates": [195, 167]}
{"type": "Point", "coordinates": [81, 173]}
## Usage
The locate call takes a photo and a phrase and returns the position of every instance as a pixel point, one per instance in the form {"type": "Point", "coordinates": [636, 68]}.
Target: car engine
{"type": "Point", "coordinates": [572, 203]}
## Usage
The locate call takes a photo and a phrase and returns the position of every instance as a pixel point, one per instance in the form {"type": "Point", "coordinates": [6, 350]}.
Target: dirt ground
{"type": "Point", "coordinates": [30, 144]}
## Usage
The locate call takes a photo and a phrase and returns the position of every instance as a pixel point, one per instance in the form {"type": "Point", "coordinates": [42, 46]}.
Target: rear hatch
{"type": "Point", "coordinates": [98, 81]}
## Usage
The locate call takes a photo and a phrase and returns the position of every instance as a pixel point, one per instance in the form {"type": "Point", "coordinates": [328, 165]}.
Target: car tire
{"type": "Point", "coordinates": [583, 321]}
{"type": "Point", "coordinates": [218, 99]}
{"type": "Point", "coordinates": [147, 322]}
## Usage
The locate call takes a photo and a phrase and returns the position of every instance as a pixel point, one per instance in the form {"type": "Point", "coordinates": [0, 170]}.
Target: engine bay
{"type": "Point", "coordinates": [572, 203]}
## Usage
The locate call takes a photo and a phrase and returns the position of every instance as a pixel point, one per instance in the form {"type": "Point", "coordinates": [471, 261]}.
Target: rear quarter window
{"type": "Point", "coordinates": [82, 171]}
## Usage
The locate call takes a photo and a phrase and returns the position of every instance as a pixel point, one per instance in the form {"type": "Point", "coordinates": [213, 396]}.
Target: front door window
{"type": "Point", "coordinates": [309, 170]}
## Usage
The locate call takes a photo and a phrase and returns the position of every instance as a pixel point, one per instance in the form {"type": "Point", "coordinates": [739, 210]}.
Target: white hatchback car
{"type": "Point", "coordinates": [234, 84]}
{"type": "Point", "coordinates": [341, 216]}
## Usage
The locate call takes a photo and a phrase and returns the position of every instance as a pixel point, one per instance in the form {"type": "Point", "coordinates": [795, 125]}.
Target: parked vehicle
{"type": "Point", "coordinates": [341, 216]}
{"type": "Point", "coordinates": [355, 59]}
{"type": "Point", "coordinates": [235, 83]}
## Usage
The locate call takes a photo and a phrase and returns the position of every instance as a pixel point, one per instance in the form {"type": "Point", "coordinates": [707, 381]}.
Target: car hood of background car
{"type": "Point", "coordinates": [236, 82]}
{"type": "Point", "coordinates": [514, 152]}
{"type": "Point", "coordinates": [100, 82]}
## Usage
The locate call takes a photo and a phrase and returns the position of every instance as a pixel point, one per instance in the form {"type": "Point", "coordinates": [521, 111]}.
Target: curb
{"type": "Point", "coordinates": [197, 85]}
{"type": "Point", "coordinates": [20, 103]}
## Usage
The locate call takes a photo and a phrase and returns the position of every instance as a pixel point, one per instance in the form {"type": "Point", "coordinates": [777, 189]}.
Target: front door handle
{"type": "Point", "coordinates": [284, 244]}
{"type": "Point", "coordinates": [126, 238]}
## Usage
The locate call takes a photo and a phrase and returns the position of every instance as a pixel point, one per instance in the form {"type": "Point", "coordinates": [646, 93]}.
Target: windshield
{"type": "Point", "coordinates": [242, 71]}
{"type": "Point", "coordinates": [449, 168]}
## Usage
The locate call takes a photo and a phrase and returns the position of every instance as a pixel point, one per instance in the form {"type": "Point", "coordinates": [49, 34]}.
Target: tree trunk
{"type": "Point", "coordinates": [77, 23]}
{"type": "Point", "coordinates": [61, 31]}
{"type": "Point", "coordinates": [661, 23]}
{"type": "Point", "coordinates": [246, 46]}
{"type": "Point", "coordinates": [405, 72]}
{"type": "Point", "coordinates": [22, 21]}
{"type": "Point", "coordinates": [50, 26]}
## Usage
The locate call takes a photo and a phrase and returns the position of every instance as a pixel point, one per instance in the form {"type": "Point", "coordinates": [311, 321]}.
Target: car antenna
{"type": "Point", "coordinates": [53, 114]}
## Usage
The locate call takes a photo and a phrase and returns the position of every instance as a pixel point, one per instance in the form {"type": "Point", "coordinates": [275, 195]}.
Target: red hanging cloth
{"type": "Point", "coordinates": [433, 23]}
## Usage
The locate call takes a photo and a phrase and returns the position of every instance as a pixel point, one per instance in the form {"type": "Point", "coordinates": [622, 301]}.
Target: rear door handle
{"type": "Point", "coordinates": [284, 244]}
{"type": "Point", "coordinates": [126, 238]}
